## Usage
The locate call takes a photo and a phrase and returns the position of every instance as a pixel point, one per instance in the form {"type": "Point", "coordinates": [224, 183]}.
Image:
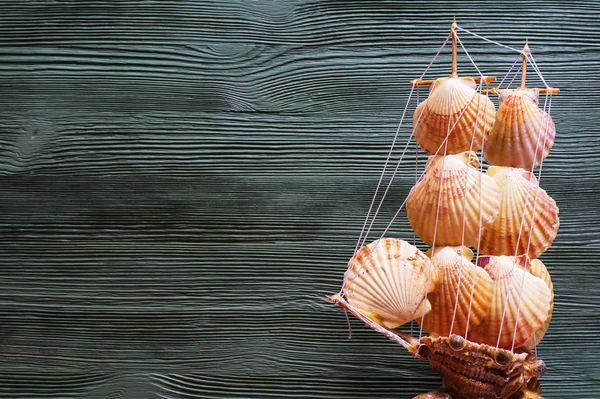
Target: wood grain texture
{"type": "Point", "coordinates": [182, 183]}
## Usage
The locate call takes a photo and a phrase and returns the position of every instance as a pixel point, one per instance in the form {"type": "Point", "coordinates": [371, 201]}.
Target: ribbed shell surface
{"type": "Point", "coordinates": [523, 134]}
{"type": "Point", "coordinates": [455, 110]}
{"type": "Point", "coordinates": [463, 293]}
{"type": "Point", "coordinates": [538, 269]}
{"type": "Point", "coordinates": [388, 280]}
{"type": "Point", "coordinates": [520, 304]}
{"type": "Point", "coordinates": [466, 198]}
{"type": "Point", "coordinates": [528, 218]}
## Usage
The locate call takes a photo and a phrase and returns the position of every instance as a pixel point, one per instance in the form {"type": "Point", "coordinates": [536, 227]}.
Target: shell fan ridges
{"type": "Point", "coordinates": [388, 281]}
{"type": "Point", "coordinates": [538, 269]}
{"type": "Point", "coordinates": [462, 296]}
{"type": "Point", "coordinates": [528, 218]}
{"type": "Point", "coordinates": [455, 110]}
{"type": "Point", "coordinates": [523, 134]}
{"type": "Point", "coordinates": [527, 300]}
{"type": "Point", "coordinates": [468, 200]}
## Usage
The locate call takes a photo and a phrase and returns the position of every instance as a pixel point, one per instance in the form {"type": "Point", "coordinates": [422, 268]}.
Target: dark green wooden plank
{"type": "Point", "coordinates": [86, 80]}
{"type": "Point", "coordinates": [181, 184]}
{"type": "Point", "coordinates": [228, 144]}
{"type": "Point", "coordinates": [343, 23]}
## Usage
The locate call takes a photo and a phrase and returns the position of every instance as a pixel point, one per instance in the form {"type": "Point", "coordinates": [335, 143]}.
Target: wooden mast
{"type": "Point", "coordinates": [525, 54]}
{"type": "Point", "coordinates": [454, 72]}
{"type": "Point", "coordinates": [454, 50]}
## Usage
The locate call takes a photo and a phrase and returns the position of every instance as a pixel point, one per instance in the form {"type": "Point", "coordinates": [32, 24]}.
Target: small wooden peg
{"type": "Point", "coordinates": [429, 82]}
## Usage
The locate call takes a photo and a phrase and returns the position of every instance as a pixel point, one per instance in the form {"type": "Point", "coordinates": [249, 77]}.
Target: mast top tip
{"type": "Point", "coordinates": [525, 50]}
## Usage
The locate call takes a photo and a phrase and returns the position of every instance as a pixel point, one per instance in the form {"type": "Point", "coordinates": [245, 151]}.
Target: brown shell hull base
{"type": "Point", "coordinates": [472, 371]}
{"type": "Point", "coordinates": [469, 370]}
{"type": "Point", "coordinates": [442, 394]}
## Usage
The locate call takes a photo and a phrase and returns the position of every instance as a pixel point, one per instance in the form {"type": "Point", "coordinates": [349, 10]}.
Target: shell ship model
{"type": "Point", "coordinates": [483, 314]}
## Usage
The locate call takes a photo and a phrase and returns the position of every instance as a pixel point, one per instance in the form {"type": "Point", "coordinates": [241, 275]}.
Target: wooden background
{"type": "Point", "coordinates": [181, 184]}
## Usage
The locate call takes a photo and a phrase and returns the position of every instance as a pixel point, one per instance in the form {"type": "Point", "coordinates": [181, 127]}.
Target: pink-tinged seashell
{"type": "Point", "coordinates": [388, 281]}
{"type": "Point", "coordinates": [520, 304]}
{"type": "Point", "coordinates": [538, 269]}
{"type": "Point", "coordinates": [462, 295]}
{"type": "Point", "coordinates": [528, 218]}
{"type": "Point", "coordinates": [468, 200]}
{"type": "Point", "coordinates": [523, 134]}
{"type": "Point", "coordinates": [455, 110]}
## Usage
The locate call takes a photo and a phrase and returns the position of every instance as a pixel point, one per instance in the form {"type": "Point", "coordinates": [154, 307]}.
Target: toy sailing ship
{"type": "Point", "coordinates": [485, 313]}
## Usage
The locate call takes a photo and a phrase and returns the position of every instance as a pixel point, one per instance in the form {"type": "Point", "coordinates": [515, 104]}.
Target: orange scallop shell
{"type": "Point", "coordinates": [462, 295]}
{"type": "Point", "coordinates": [523, 134]}
{"type": "Point", "coordinates": [468, 199]}
{"type": "Point", "coordinates": [388, 281]}
{"type": "Point", "coordinates": [538, 269]}
{"type": "Point", "coordinates": [455, 110]}
{"type": "Point", "coordinates": [520, 304]}
{"type": "Point", "coordinates": [528, 218]}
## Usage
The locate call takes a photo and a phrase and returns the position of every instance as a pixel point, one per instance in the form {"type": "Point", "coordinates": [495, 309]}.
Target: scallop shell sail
{"type": "Point", "coordinates": [517, 230]}
{"type": "Point", "coordinates": [523, 134]}
{"type": "Point", "coordinates": [453, 109]}
{"type": "Point", "coordinates": [467, 199]}
{"type": "Point", "coordinates": [461, 297]}
{"type": "Point", "coordinates": [388, 281]}
{"type": "Point", "coordinates": [538, 269]}
{"type": "Point", "coordinates": [527, 300]}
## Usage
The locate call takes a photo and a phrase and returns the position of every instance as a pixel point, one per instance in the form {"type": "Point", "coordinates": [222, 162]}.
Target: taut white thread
{"type": "Point", "coordinates": [488, 40]}
{"type": "Point", "coordinates": [359, 243]}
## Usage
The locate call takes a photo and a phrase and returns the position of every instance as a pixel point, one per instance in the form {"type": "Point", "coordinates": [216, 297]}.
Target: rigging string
{"type": "Point", "coordinates": [462, 269]}
{"type": "Point", "coordinates": [416, 166]}
{"type": "Point", "coordinates": [468, 56]}
{"type": "Point", "coordinates": [530, 57]}
{"type": "Point", "coordinates": [462, 272]}
{"type": "Point", "coordinates": [444, 143]}
{"type": "Point", "coordinates": [423, 173]}
{"type": "Point", "coordinates": [538, 72]}
{"type": "Point", "coordinates": [515, 76]}
{"type": "Point", "coordinates": [542, 128]}
{"type": "Point", "coordinates": [458, 119]}
{"type": "Point", "coordinates": [487, 40]}
{"type": "Point", "coordinates": [420, 177]}
{"type": "Point", "coordinates": [480, 210]}
{"type": "Point", "coordinates": [522, 222]}
{"type": "Point", "coordinates": [509, 71]}
{"type": "Point", "coordinates": [478, 237]}
{"type": "Point", "coordinates": [359, 243]}
{"type": "Point", "coordinates": [439, 201]}
{"type": "Point", "coordinates": [405, 199]}
{"type": "Point", "coordinates": [412, 322]}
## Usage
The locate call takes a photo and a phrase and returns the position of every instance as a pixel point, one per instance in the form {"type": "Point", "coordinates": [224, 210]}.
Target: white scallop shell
{"type": "Point", "coordinates": [520, 304]}
{"type": "Point", "coordinates": [538, 269]}
{"type": "Point", "coordinates": [468, 200]}
{"type": "Point", "coordinates": [388, 281]}
{"type": "Point", "coordinates": [528, 218]}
